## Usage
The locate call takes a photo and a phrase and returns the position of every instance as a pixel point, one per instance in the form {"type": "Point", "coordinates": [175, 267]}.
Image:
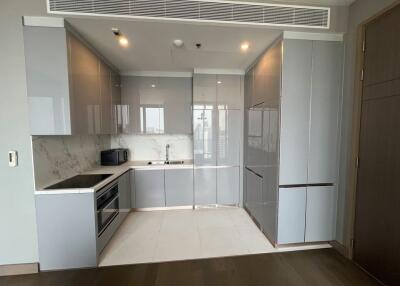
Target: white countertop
{"type": "Point", "coordinates": [116, 171]}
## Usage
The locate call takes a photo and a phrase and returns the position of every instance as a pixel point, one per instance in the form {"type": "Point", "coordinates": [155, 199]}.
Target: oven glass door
{"type": "Point", "coordinates": [107, 208]}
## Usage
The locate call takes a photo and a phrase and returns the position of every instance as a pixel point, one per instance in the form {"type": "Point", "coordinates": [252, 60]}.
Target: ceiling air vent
{"type": "Point", "coordinates": [199, 10]}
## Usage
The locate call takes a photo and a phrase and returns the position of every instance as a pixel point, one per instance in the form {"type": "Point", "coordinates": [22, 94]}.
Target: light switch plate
{"type": "Point", "coordinates": [13, 159]}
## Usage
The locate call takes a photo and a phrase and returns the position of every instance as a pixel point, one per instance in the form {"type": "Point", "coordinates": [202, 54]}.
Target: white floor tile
{"type": "Point", "coordinates": [184, 234]}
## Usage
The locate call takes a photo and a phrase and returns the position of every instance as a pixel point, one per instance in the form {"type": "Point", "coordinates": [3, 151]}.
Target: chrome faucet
{"type": "Point", "coordinates": [167, 153]}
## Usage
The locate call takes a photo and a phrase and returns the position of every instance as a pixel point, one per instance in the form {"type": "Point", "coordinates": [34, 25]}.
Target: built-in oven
{"type": "Point", "coordinates": [107, 207]}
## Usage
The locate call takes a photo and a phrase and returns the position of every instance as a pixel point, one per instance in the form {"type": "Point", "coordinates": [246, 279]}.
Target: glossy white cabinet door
{"type": "Point", "coordinates": [205, 186]}
{"type": "Point", "coordinates": [179, 187]}
{"type": "Point", "coordinates": [320, 214]}
{"type": "Point", "coordinates": [149, 188]}
{"type": "Point", "coordinates": [295, 111]}
{"type": "Point", "coordinates": [291, 215]}
{"type": "Point", "coordinates": [228, 185]}
{"type": "Point", "coordinates": [325, 100]}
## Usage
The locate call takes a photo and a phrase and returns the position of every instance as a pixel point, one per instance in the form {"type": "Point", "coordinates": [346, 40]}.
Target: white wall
{"type": "Point", "coordinates": [360, 11]}
{"type": "Point", "coordinates": [18, 242]}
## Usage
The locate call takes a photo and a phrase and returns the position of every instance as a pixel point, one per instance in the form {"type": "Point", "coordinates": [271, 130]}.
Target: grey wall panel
{"type": "Point", "coordinates": [179, 187]}
{"type": "Point", "coordinates": [291, 215]}
{"type": "Point", "coordinates": [228, 186]}
{"type": "Point", "coordinates": [325, 100]}
{"type": "Point", "coordinates": [295, 111]}
{"type": "Point", "coordinates": [320, 214]}
{"type": "Point", "coordinates": [47, 81]}
{"type": "Point", "coordinates": [66, 231]}
{"type": "Point", "coordinates": [149, 188]}
{"type": "Point", "coordinates": [205, 186]}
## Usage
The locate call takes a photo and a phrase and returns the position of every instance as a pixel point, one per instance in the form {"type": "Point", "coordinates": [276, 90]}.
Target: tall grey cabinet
{"type": "Point", "coordinates": [292, 142]}
{"type": "Point", "coordinates": [217, 132]}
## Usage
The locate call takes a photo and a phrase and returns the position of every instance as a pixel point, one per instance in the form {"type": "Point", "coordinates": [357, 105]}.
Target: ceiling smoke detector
{"type": "Point", "coordinates": [178, 43]}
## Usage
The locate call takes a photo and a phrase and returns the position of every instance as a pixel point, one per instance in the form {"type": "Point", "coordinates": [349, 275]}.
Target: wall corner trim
{"type": "Point", "coordinates": [51, 22]}
{"type": "Point", "coordinates": [336, 37]}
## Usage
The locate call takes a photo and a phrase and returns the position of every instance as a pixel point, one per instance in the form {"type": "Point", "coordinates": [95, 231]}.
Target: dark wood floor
{"type": "Point", "coordinates": [312, 267]}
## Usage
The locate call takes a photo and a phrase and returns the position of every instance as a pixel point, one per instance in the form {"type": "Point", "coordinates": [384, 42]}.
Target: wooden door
{"type": "Point", "coordinates": [377, 224]}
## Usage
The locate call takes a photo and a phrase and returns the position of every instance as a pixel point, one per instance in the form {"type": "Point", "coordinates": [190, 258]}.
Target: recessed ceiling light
{"type": "Point", "coordinates": [244, 46]}
{"type": "Point", "coordinates": [153, 85]}
{"type": "Point", "coordinates": [219, 82]}
{"type": "Point", "coordinates": [123, 41]}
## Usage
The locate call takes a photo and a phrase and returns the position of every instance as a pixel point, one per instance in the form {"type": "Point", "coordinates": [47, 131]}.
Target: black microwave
{"type": "Point", "coordinates": [114, 157]}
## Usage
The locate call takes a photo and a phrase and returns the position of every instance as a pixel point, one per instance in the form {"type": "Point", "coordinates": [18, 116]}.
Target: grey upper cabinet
{"type": "Point", "coordinates": [179, 187]}
{"type": "Point", "coordinates": [106, 99]}
{"type": "Point", "coordinates": [47, 81]}
{"type": "Point", "coordinates": [84, 74]}
{"type": "Point", "coordinates": [116, 106]}
{"type": "Point", "coordinates": [229, 92]}
{"type": "Point", "coordinates": [158, 105]}
{"type": "Point", "coordinates": [249, 87]}
{"type": "Point", "coordinates": [295, 111]}
{"type": "Point", "coordinates": [71, 93]}
{"type": "Point", "coordinates": [325, 106]}
{"type": "Point", "coordinates": [149, 188]}
{"type": "Point", "coordinates": [204, 91]}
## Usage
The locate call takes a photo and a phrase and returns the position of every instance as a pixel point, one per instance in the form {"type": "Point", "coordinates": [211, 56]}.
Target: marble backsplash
{"type": "Point", "coordinates": [152, 147]}
{"type": "Point", "coordinates": [60, 157]}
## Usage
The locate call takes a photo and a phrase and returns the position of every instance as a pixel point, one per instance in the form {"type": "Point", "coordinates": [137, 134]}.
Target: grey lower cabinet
{"type": "Point", "coordinates": [205, 185]}
{"type": "Point", "coordinates": [320, 212]}
{"type": "Point", "coordinates": [254, 187]}
{"type": "Point", "coordinates": [179, 187]}
{"type": "Point", "coordinates": [228, 185]}
{"type": "Point", "coordinates": [124, 188]}
{"type": "Point", "coordinates": [149, 188]}
{"type": "Point", "coordinates": [66, 226]}
{"type": "Point", "coordinates": [306, 214]}
{"type": "Point", "coordinates": [292, 215]}
{"type": "Point", "coordinates": [133, 192]}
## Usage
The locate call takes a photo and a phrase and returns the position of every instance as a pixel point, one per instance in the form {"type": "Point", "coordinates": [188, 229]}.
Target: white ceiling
{"type": "Point", "coordinates": [151, 46]}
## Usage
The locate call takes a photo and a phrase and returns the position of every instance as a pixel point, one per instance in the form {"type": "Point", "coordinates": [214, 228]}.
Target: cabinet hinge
{"type": "Point", "coordinates": [352, 243]}
{"type": "Point", "coordinates": [362, 75]}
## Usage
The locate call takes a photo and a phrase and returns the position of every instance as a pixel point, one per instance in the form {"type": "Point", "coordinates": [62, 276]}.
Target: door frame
{"type": "Point", "coordinates": [352, 171]}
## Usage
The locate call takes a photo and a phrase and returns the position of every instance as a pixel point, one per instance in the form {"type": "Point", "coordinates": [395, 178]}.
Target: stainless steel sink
{"type": "Point", "coordinates": [158, 163]}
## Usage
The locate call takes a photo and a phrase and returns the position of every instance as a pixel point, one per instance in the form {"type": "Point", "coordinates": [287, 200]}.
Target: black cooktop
{"type": "Point", "coordinates": [80, 182]}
